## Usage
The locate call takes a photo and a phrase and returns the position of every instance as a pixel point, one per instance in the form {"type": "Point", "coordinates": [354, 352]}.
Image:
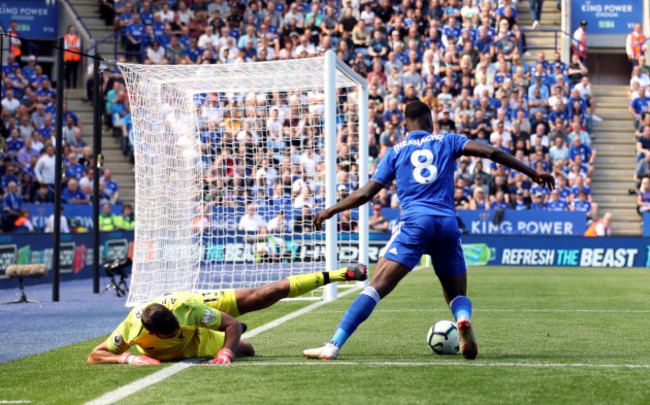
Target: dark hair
{"type": "Point", "coordinates": [416, 110]}
{"type": "Point", "coordinates": [157, 318]}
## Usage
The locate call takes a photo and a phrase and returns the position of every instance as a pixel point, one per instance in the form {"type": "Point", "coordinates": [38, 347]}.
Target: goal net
{"type": "Point", "coordinates": [231, 164]}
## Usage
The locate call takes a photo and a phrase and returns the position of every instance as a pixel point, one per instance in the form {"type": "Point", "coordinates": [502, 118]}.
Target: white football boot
{"type": "Point", "coordinates": [327, 352]}
{"type": "Point", "coordinates": [468, 344]}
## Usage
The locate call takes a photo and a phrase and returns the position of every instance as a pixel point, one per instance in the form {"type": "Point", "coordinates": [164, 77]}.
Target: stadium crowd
{"type": "Point", "coordinates": [462, 58]}
{"type": "Point", "coordinates": [636, 48]}
{"type": "Point", "coordinates": [27, 161]}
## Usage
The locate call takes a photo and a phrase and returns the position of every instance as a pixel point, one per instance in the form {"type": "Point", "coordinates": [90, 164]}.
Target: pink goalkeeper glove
{"type": "Point", "coordinates": [223, 357]}
{"type": "Point", "coordinates": [132, 359]}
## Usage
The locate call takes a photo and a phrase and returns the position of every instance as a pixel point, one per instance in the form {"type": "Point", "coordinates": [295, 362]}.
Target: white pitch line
{"type": "Point", "coordinates": [623, 311]}
{"type": "Point", "coordinates": [138, 385]}
{"type": "Point", "coordinates": [442, 364]}
{"type": "Point", "coordinates": [18, 401]}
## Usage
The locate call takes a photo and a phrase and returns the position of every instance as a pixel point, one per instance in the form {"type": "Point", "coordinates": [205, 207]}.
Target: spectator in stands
{"type": "Point", "coordinates": [587, 153]}
{"type": "Point", "coordinates": [49, 225]}
{"type": "Point", "coordinates": [642, 170]}
{"type": "Point", "coordinates": [461, 202]}
{"type": "Point", "coordinates": [303, 221]}
{"type": "Point", "coordinates": [582, 204]}
{"type": "Point", "coordinates": [43, 195]}
{"type": "Point", "coordinates": [26, 153]}
{"type": "Point", "coordinates": [9, 176]}
{"type": "Point", "coordinates": [377, 223]}
{"type": "Point", "coordinates": [278, 224]}
{"type": "Point", "coordinates": [643, 196]}
{"type": "Point", "coordinates": [539, 202]}
{"type": "Point", "coordinates": [73, 195]}
{"type": "Point", "coordinates": [643, 144]}
{"type": "Point", "coordinates": [519, 203]}
{"type": "Point", "coordinates": [44, 169]}
{"type": "Point", "coordinates": [639, 104]}
{"type": "Point", "coordinates": [25, 128]}
{"type": "Point", "coordinates": [9, 102]}
{"type": "Point", "coordinates": [346, 223]}
{"type": "Point", "coordinates": [12, 203]}
{"type": "Point", "coordinates": [47, 131]}
{"type": "Point", "coordinates": [14, 142]}
{"type": "Point", "coordinates": [499, 201]}
{"type": "Point", "coordinates": [555, 203]}
{"type": "Point", "coordinates": [576, 129]}
{"type": "Point", "coordinates": [479, 199]}
{"type": "Point", "coordinates": [112, 188]}
{"type": "Point", "coordinates": [74, 170]}
{"type": "Point", "coordinates": [251, 221]}
{"type": "Point", "coordinates": [558, 150]}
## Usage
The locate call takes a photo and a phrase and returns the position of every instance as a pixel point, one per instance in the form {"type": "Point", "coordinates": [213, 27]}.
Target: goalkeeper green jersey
{"type": "Point", "coordinates": [198, 337]}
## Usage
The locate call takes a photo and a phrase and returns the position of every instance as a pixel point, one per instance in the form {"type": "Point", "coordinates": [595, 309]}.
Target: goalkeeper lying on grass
{"type": "Point", "coordinates": [186, 325]}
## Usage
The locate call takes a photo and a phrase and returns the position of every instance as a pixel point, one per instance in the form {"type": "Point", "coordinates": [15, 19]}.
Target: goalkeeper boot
{"type": "Point", "coordinates": [468, 344]}
{"type": "Point", "coordinates": [329, 351]}
{"type": "Point", "coordinates": [358, 272]}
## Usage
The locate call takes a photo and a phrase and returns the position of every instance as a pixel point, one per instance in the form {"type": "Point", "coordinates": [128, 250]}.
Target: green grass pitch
{"type": "Point", "coordinates": [546, 336]}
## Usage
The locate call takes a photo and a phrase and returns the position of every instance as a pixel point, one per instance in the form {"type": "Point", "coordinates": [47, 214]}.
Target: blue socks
{"type": "Point", "coordinates": [461, 305]}
{"type": "Point", "coordinates": [358, 312]}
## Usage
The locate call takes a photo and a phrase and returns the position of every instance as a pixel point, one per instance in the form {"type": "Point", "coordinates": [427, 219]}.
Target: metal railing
{"type": "Point", "coordinates": [557, 36]}
{"type": "Point", "coordinates": [32, 48]}
{"type": "Point", "coordinates": [118, 40]}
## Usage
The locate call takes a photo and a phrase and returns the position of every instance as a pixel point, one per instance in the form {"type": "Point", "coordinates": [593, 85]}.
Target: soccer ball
{"type": "Point", "coordinates": [443, 338]}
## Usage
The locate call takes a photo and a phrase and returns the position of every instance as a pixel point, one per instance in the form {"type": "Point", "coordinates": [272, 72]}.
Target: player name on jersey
{"type": "Point", "coordinates": [417, 141]}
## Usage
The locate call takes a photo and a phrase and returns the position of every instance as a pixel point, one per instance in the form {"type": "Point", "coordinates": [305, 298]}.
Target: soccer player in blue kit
{"type": "Point", "coordinates": [423, 166]}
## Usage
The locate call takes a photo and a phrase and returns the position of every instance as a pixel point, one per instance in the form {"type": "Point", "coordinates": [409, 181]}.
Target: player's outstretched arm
{"type": "Point", "coordinates": [354, 200]}
{"type": "Point", "coordinates": [102, 355]}
{"type": "Point", "coordinates": [481, 150]}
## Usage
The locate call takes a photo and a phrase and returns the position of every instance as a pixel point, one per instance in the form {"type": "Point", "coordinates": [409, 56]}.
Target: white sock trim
{"type": "Point", "coordinates": [371, 292]}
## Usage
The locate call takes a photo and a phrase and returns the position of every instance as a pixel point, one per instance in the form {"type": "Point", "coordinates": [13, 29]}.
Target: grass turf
{"type": "Point", "coordinates": [546, 335]}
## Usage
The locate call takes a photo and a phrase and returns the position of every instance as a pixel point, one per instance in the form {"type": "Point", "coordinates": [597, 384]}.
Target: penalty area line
{"type": "Point", "coordinates": [142, 383]}
{"type": "Point", "coordinates": [443, 364]}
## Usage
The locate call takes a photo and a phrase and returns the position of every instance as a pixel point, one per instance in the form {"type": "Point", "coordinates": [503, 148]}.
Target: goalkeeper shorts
{"type": "Point", "coordinates": [221, 300]}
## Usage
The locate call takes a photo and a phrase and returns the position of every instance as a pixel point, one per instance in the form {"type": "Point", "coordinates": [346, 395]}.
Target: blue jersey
{"type": "Point", "coordinates": [639, 105]}
{"type": "Point", "coordinates": [565, 193]}
{"type": "Point", "coordinates": [423, 166]}
{"type": "Point", "coordinates": [576, 190]}
{"type": "Point", "coordinates": [581, 206]}
{"type": "Point", "coordinates": [557, 205]}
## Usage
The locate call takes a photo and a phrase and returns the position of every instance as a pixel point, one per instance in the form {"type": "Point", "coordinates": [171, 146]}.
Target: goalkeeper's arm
{"type": "Point", "coordinates": [102, 355]}
{"type": "Point", "coordinates": [233, 331]}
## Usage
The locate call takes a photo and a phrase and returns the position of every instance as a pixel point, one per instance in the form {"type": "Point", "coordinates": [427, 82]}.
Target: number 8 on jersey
{"type": "Point", "coordinates": [424, 172]}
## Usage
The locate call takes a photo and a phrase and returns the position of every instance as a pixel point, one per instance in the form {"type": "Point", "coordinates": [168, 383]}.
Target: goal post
{"type": "Point", "coordinates": [231, 163]}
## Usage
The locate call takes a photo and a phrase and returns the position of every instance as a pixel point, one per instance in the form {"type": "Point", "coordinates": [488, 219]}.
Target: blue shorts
{"type": "Point", "coordinates": [436, 236]}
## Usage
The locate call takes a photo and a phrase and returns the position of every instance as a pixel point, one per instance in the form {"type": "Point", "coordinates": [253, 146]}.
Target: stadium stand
{"type": "Point", "coordinates": [28, 119]}
{"type": "Point", "coordinates": [407, 51]}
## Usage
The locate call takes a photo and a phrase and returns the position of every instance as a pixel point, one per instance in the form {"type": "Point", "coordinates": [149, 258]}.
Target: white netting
{"type": "Point", "coordinates": [215, 143]}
